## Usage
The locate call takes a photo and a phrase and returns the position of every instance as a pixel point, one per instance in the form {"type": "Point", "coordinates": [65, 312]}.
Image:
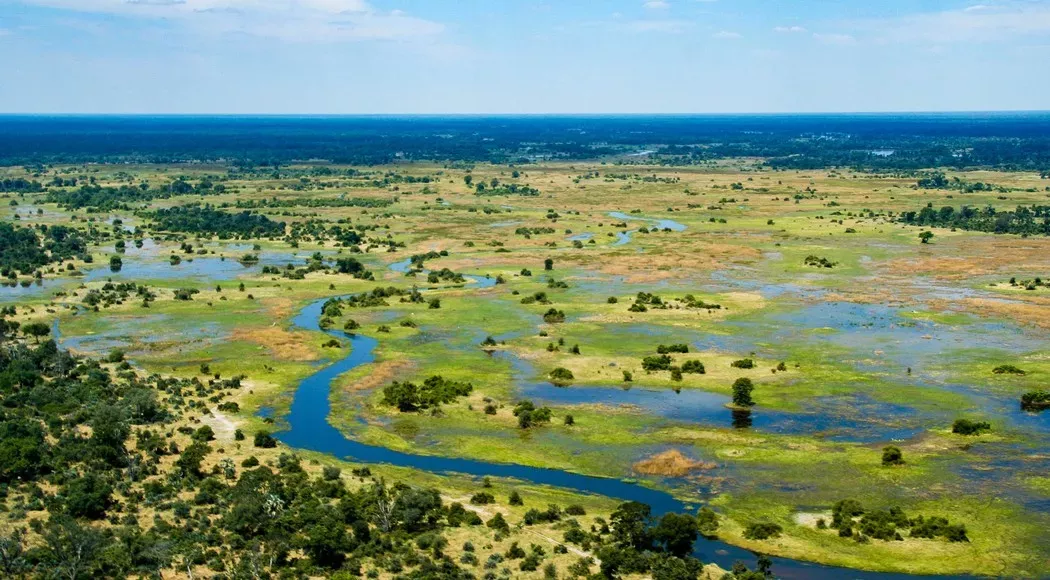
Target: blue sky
{"type": "Point", "coordinates": [522, 56]}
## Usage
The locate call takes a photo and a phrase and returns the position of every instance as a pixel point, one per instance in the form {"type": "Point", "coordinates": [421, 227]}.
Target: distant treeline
{"type": "Point", "coordinates": [1025, 220]}
{"type": "Point", "coordinates": [885, 142]}
{"type": "Point", "coordinates": [208, 220]}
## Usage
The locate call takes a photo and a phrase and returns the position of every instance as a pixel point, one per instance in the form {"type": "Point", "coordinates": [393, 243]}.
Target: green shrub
{"type": "Point", "coordinates": [762, 531]}
{"type": "Point", "coordinates": [561, 376]}
{"type": "Point", "coordinates": [968, 427]}
{"type": "Point", "coordinates": [891, 455]}
{"type": "Point", "coordinates": [693, 367]}
{"type": "Point", "coordinates": [265, 440]}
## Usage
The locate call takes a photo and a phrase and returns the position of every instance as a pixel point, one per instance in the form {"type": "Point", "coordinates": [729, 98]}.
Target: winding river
{"type": "Point", "coordinates": [624, 237]}
{"type": "Point", "coordinates": [308, 428]}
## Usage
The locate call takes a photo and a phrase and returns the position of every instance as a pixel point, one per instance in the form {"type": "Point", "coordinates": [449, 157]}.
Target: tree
{"type": "Point", "coordinates": [265, 440]}
{"type": "Point", "coordinates": [741, 572]}
{"type": "Point", "coordinates": [189, 461]}
{"type": "Point", "coordinates": [72, 549]}
{"type": "Point", "coordinates": [742, 389]}
{"type": "Point", "coordinates": [891, 455]}
{"type": "Point", "coordinates": [665, 567]}
{"type": "Point", "coordinates": [548, 264]}
{"type": "Point", "coordinates": [528, 415]}
{"type": "Point", "coordinates": [561, 376]}
{"type": "Point", "coordinates": [22, 449]}
{"type": "Point", "coordinates": [677, 533]}
{"type": "Point", "coordinates": [109, 431]}
{"type": "Point", "coordinates": [765, 566]}
{"type": "Point", "coordinates": [630, 525]}
{"type": "Point", "coordinates": [204, 433]}
{"type": "Point", "coordinates": [693, 366]}
{"type": "Point", "coordinates": [707, 521]}
{"type": "Point", "coordinates": [657, 363]}
{"type": "Point", "coordinates": [762, 530]}
{"type": "Point", "coordinates": [498, 523]}
{"type": "Point", "coordinates": [554, 316]}
{"type": "Point", "coordinates": [13, 563]}
{"type": "Point", "coordinates": [325, 539]}
{"type": "Point", "coordinates": [36, 330]}
{"type": "Point", "coordinates": [417, 509]}
{"type": "Point", "coordinates": [351, 266]}
{"type": "Point", "coordinates": [87, 497]}
{"type": "Point", "coordinates": [926, 236]}
{"type": "Point", "coordinates": [969, 427]}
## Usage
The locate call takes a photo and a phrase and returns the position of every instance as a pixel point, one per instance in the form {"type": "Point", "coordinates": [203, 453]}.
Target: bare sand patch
{"type": "Point", "coordinates": [223, 427]}
{"type": "Point", "coordinates": [809, 519]}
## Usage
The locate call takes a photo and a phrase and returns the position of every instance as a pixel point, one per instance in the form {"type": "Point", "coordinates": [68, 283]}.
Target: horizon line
{"type": "Point", "coordinates": [538, 115]}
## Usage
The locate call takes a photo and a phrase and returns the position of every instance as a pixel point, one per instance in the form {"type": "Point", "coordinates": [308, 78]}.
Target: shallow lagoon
{"type": "Point", "coordinates": [144, 264]}
{"type": "Point", "coordinates": [707, 409]}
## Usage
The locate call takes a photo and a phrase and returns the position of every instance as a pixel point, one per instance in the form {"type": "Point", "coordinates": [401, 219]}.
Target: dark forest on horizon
{"type": "Point", "coordinates": [881, 142]}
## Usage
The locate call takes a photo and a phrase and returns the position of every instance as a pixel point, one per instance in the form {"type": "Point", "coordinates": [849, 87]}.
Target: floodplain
{"type": "Point", "coordinates": [733, 336]}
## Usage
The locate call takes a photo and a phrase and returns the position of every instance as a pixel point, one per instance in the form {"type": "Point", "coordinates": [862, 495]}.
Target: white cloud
{"type": "Point", "coordinates": [292, 20]}
{"type": "Point", "coordinates": [656, 5]}
{"type": "Point", "coordinates": [727, 35]}
{"type": "Point", "coordinates": [789, 29]}
{"type": "Point", "coordinates": [978, 23]}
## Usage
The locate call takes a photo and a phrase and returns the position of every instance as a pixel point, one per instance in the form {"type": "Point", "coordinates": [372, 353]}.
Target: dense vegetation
{"type": "Point", "coordinates": [20, 185]}
{"type": "Point", "coordinates": [1035, 400]}
{"type": "Point", "coordinates": [23, 250]}
{"type": "Point", "coordinates": [91, 443]}
{"type": "Point", "coordinates": [98, 198]}
{"type": "Point", "coordinates": [210, 221]}
{"type": "Point", "coordinates": [1032, 220]}
{"type": "Point", "coordinates": [916, 141]}
{"type": "Point", "coordinates": [852, 520]}
{"type": "Point", "coordinates": [434, 392]}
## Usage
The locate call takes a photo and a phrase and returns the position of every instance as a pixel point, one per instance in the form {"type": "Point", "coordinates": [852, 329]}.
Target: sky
{"type": "Point", "coordinates": [522, 56]}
